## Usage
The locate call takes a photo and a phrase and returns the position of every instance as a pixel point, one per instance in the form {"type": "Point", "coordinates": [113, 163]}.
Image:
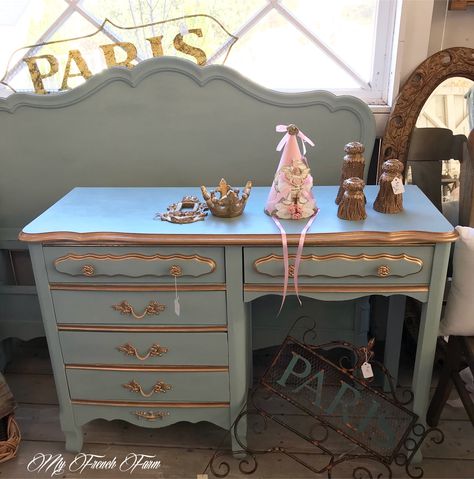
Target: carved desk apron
{"type": "Point", "coordinates": [106, 272]}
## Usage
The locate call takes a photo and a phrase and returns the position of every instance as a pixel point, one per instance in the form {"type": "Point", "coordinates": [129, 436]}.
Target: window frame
{"type": "Point", "coordinates": [378, 92]}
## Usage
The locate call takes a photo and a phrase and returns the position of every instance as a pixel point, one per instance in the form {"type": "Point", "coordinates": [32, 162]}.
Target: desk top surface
{"type": "Point", "coordinates": [127, 215]}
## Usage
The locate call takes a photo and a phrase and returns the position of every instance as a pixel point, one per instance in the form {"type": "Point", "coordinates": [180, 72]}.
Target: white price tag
{"type": "Point", "coordinates": [202, 476]}
{"type": "Point", "coordinates": [176, 306]}
{"type": "Point", "coordinates": [397, 186]}
{"type": "Point", "coordinates": [366, 369]}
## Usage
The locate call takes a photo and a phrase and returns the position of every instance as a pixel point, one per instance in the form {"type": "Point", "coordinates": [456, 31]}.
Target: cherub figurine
{"type": "Point", "coordinates": [293, 185]}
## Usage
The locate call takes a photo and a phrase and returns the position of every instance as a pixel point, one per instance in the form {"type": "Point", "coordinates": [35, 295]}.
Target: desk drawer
{"type": "Point", "coordinates": [144, 348]}
{"type": "Point", "coordinates": [139, 307]}
{"type": "Point", "coordinates": [372, 264]}
{"type": "Point", "coordinates": [134, 264]}
{"type": "Point", "coordinates": [151, 414]}
{"type": "Point", "coordinates": [136, 385]}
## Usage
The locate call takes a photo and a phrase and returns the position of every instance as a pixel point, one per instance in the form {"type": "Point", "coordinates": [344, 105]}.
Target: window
{"type": "Point", "coordinates": [288, 45]}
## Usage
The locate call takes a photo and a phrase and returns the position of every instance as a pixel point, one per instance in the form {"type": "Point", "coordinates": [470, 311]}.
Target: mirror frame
{"type": "Point", "coordinates": [448, 63]}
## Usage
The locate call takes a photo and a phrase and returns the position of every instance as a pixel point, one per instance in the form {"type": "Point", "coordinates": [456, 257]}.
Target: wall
{"type": "Point", "coordinates": [427, 26]}
{"type": "Point", "coordinates": [451, 28]}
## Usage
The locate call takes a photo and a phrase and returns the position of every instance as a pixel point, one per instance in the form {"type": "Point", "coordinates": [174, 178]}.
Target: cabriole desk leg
{"type": "Point", "coordinates": [393, 342]}
{"type": "Point", "coordinates": [68, 424]}
{"type": "Point", "coordinates": [239, 341]}
{"type": "Point", "coordinates": [427, 336]}
{"type": "Point", "coordinates": [74, 438]}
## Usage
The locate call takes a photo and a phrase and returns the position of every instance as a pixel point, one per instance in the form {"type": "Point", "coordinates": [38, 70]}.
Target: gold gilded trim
{"type": "Point", "coordinates": [336, 256]}
{"type": "Point", "coordinates": [140, 257]}
{"type": "Point", "coordinates": [171, 405]}
{"type": "Point", "coordinates": [142, 329]}
{"type": "Point", "coordinates": [312, 239]}
{"type": "Point", "coordinates": [148, 368]}
{"type": "Point", "coordinates": [339, 288]}
{"type": "Point", "coordinates": [134, 287]}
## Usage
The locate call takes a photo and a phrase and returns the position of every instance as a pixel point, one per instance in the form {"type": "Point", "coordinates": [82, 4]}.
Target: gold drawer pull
{"type": "Point", "coordinates": [383, 271]}
{"type": "Point", "coordinates": [176, 270]}
{"type": "Point", "coordinates": [150, 415]}
{"type": "Point", "coordinates": [88, 270]}
{"type": "Point", "coordinates": [155, 350]}
{"type": "Point", "coordinates": [126, 308]}
{"type": "Point", "coordinates": [159, 387]}
{"type": "Point", "coordinates": [291, 271]}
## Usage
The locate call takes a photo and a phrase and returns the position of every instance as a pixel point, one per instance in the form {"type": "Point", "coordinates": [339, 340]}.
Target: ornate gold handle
{"type": "Point", "coordinates": [150, 415]}
{"type": "Point", "coordinates": [383, 271]}
{"type": "Point", "coordinates": [126, 308]}
{"type": "Point", "coordinates": [176, 270]}
{"type": "Point", "coordinates": [153, 351]}
{"type": "Point", "coordinates": [159, 387]}
{"type": "Point", "coordinates": [88, 270]}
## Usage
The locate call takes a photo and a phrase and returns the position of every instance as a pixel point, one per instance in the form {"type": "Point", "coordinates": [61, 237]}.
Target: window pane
{"type": "Point", "coordinates": [136, 12]}
{"type": "Point", "coordinates": [275, 54]}
{"type": "Point", "coordinates": [22, 22]}
{"type": "Point", "coordinates": [288, 45]}
{"type": "Point", "coordinates": [346, 26]}
{"type": "Point", "coordinates": [126, 13]}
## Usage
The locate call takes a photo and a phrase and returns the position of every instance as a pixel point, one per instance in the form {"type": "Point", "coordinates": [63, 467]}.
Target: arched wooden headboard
{"type": "Point", "coordinates": [166, 122]}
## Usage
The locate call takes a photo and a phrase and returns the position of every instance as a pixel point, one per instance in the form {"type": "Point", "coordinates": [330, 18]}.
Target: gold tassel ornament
{"type": "Point", "coordinates": [390, 198]}
{"type": "Point", "coordinates": [352, 166]}
{"type": "Point", "coordinates": [352, 205]}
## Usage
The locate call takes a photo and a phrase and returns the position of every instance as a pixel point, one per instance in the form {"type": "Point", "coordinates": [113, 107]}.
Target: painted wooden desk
{"type": "Point", "coordinates": [106, 270]}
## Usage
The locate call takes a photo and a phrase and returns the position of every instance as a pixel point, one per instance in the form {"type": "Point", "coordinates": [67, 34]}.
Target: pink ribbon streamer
{"type": "Point", "coordinates": [284, 140]}
{"type": "Point", "coordinates": [284, 242]}
{"type": "Point", "coordinates": [299, 252]}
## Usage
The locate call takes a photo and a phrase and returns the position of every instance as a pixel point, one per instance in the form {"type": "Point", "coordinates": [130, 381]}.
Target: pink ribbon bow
{"type": "Point", "coordinates": [284, 140]}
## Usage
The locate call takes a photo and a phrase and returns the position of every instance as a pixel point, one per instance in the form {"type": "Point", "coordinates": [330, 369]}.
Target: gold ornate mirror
{"type": "Point", "coordinates": [452, 62]}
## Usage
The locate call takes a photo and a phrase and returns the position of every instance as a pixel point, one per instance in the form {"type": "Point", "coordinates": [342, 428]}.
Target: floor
{"type": "Point", "coordinates": [184, 450]}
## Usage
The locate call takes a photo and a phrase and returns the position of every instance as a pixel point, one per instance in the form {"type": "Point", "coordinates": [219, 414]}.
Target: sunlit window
{"type": "Point", "coordinates": [287, 45]}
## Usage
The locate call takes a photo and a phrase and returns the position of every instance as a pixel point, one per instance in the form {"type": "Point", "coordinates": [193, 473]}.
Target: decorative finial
{"type": "Point", "coordinates": [292, 129]}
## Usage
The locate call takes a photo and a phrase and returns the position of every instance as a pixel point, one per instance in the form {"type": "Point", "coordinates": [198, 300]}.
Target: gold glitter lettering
{"type": "Point", "coordinates": [36, 76]}
{"type": "Point", "coordinates": [111, 59]}
{"type": "Point", "coordinates": [75, 55]}
{"type": "Point", "coordinates": [195, 52]}
{"type": "Point", "coordinates": [156, 46]}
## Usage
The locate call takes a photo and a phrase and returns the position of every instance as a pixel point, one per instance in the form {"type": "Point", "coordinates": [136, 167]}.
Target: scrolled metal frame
{"type": "Point", "coordinates": [247, 457]}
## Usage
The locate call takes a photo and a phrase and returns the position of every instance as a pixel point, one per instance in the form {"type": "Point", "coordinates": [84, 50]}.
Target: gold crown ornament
{"type": "Point", "coordinates": [228, 204]}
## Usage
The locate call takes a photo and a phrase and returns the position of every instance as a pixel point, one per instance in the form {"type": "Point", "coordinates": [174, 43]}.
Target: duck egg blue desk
{"type": "Point", "coordinates": [105, 270]}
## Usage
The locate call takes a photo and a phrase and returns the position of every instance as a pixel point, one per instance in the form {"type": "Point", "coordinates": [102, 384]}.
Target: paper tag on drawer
{"type": "Point", "coordinates": [177, 307]}
{"type": "Point", "coordinates": [202, 476]}
{"type": "Point", "coordinates": [397, 186]}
